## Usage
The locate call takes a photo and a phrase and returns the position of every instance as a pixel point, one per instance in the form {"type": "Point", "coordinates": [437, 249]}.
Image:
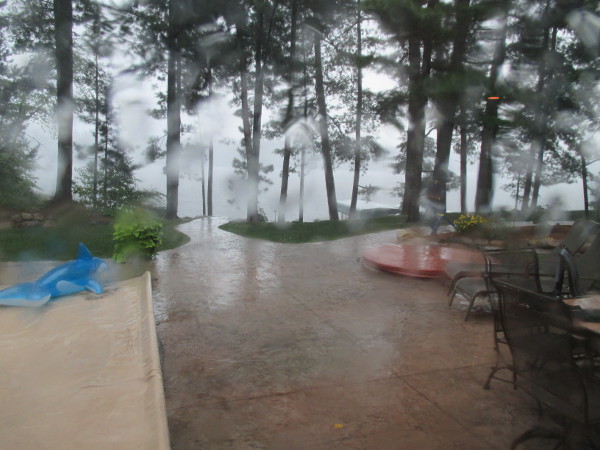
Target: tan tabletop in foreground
{"type": "Point", "coordinates": [83, 372]}
{"type": "Point", "coordinates": [588, 302]}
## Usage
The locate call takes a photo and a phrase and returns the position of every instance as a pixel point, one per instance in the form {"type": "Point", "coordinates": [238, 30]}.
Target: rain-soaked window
{"type": "Point", "coordinates": [198, 197]}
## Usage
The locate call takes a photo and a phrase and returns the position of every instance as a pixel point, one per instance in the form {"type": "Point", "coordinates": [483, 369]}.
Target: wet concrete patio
{"type": "Point", "coordinates": [285, 346]}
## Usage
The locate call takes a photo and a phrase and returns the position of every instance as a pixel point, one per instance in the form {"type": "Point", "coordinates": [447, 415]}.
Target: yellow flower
{"type": "Point", "coordinates": [466, 222]}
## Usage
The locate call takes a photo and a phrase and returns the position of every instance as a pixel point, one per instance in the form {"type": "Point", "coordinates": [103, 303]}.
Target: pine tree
{"type": "Point", "coordinates": [63, 30]}
{"type": "Point", "coordinates": [108, 183]}
{"type": "Point", "coordinates": [18, 105]}
{"type": "Point", "coordinates": [92, 78]}
{"type": "Point", "coordinates": [350, 48]}
{"type": "Point", "coordinates": [167, 34]}
{"type": "Point", "coordinates": [47, 28]}
{"type": "Point", "coordinates": [415, 24]}
{"type": "Point", "coordinates": [450, 85]}
{"type": "Point", "coordinates": [289, 111]}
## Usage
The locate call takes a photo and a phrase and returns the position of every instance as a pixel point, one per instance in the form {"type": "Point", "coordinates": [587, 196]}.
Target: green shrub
{"type": "Point", "coordinates": [136, 232]}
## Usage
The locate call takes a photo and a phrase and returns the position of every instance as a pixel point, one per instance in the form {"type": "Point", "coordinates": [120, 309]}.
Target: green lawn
{"type": "Point", "coordinates": [296, 233]}
{"type": "Point", "coordinates": [60, 243]}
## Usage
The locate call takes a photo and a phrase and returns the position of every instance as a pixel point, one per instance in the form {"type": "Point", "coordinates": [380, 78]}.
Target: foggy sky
{"type": "Point", "coordinates": [134, 98]}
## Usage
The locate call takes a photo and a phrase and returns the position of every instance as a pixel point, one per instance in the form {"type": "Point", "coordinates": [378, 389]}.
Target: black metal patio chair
{"type": "Point", "coordinates": [577, 240]}
{"type": "Point", "coordinates": [519, 266]}
{"type": "Point", "coordinates": [584, 269]}
{"type": "Point", "coordinates": [581, 269]}
{"type": "Point", "coordinates": [538, 332]}
{"type": "Point", "coordinates": [581, 233]}
{"type": "Point", "coordinates": [523, 271]}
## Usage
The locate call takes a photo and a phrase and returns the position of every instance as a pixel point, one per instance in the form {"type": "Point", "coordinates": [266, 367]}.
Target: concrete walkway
{"type": "Point", "coordinates": [284, 346]}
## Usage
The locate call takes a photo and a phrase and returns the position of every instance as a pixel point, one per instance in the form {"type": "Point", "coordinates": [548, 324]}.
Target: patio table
{"type": "Point", "coordinates": [584, 318]}
{"type": "Point", "coordinates": [588, 318]}
{"type": "Point", "coordinates": [419, 260]}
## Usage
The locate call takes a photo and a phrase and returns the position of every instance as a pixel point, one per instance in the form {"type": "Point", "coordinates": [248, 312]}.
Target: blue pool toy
{"type": "Point", "coordinates": [68, 278]}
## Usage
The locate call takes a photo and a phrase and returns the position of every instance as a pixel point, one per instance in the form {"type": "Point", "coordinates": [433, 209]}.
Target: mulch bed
{"type": "Point", "coordinates": [530, 235]}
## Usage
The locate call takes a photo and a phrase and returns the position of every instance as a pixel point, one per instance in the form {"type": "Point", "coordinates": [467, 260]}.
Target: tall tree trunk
{"type": "Point", "coordinates": [285, 176]}
{"type": "Point", "coordinates": [538, 138]}
{"type": "Point", "coordinates": [543, 128]}
{"type": "Point", "coordinates": [539, 167]}
{"type": "Point", "coordinates": [324, 130]}
{"type": "Point", "coordinates": [247, 130]}
{"type": "Point", "coordinates": [106, 134]}
{"type": "Point", "coordinates": [210, 177]}
{"type": "Point", "coordinates": [303, 148]}
{"type": "Point", "coordinates": [518, 192]}
{"type": "Point", "coordinates": [254, 161]}
{"type": "Point", "coordinates": [463, 167]}
{"type": "Point", "coordinates": [418, 72]}
{"type": "Point", "coordinates": [173, 134]}
{"type": "Point", "coordinates": [210, 152]}
{"type": "Point", "coordinates": [63, 35]}
{"type": "Point", "coordinates": [359, 110]}
{"type": "Point", "coordinates": [202, 180]}
{"type": "Point", "coordinates": [485, 177]}
{"type": "Point", "coordinates": [584, 178]}
{"type": "Point", "coordinates": [528, 182]}
{"type": "Point", "coordinates": [173, 116]}
{"type": "Point", "coordinates": [301, 198]}
{"type": "Point", "coordinates": [287, 151]}
{"type": "Point", "coordinates": [448, 104]}
{"type": "Point", "coordinates": [96, 130]}
{"type": "Point", "coordinates": [415, 136]}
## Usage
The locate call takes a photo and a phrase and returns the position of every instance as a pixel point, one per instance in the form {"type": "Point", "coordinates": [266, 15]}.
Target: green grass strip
{"type": "Point", "coordinates": [297, 233]}
{"type": "Point", "coordinates": [60, 243]}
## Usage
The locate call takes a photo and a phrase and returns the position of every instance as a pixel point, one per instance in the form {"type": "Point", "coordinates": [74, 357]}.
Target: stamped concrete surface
{"type": "Point", "coordinates": [284, 346]}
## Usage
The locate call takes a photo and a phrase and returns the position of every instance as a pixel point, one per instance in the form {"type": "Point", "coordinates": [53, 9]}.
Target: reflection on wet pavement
{"type": "Point", "coordinates": [270, 345]}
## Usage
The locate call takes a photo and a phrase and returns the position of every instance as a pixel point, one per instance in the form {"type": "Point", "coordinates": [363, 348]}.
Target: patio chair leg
{"type": "Point", "coordinates": [471, 303]}
{"type": "Point", "coordinates": [534, 433]}
{"type": "Point", "coordinates": [486, 386]}
{"type": "Point", "coordinates": [492, 376]}
{"type": "Point", "coordinates": [453, 284]}
{"type": "Point", "coordinates": [453, 294]}
{"type": "Point", "coordinates": [500, 365]}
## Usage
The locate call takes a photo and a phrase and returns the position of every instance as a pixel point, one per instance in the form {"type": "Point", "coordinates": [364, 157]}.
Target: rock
{"type": "Point", "coordinates": [100, 220]}
{"type": "Point", "coordinates": [27, 216]}
{"type": "Point", "coordinates": [407, 234]}
{"type": "Point", "coordinates": [48, 223]}
{"type": "Point", "coordinates": [5, 224]}
{"type": "Point", "coordinates": [17, 218]}
{"type": "Point", "coordinates": [38, 216]}
{"type": "Point", "coordinates": [29, 224]}
{"type": "Point", "coordinates": [546, 243]}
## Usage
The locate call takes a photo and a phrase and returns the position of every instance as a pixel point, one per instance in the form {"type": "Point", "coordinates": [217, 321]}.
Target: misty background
{"type": "Point", "coordinates": [138, 82]}
{"type": "Point", "coordinates": [134, 98]}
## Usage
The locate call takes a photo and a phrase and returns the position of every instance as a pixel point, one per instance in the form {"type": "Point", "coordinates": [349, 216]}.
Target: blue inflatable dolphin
{"type": "Point", "coordinates": [68, 278]}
